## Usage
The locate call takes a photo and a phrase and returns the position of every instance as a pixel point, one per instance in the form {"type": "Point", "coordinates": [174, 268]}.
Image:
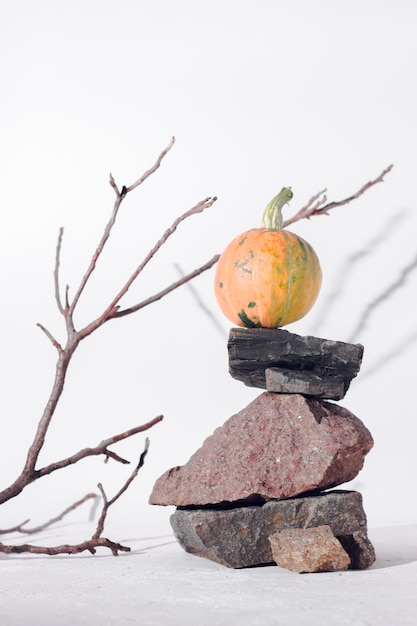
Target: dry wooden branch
{"type": "Point", "coordinates": [112, 311]}
{"type": "Point", "coordinates": [178, 283]}
{"type": "Point", "coordinates": [316, 205]}
{"type": "Point", "coordinates": [119, 198]}
{"type": "Point", "coordinates": [90, 545]}
{"type": "Point", "coordinates": [30, 472]}
{"type": "Point", "coordinates": [100, 449]}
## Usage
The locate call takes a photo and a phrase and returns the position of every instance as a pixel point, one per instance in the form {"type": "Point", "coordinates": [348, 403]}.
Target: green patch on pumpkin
{"type": "Point", "coordinates": [246, 321]}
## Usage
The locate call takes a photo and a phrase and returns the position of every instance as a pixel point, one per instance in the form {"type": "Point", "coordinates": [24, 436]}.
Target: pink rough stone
{"type": "Point", "coordinates": [279, 446]}
{"type": "Point", "coordinates": [307, 550]}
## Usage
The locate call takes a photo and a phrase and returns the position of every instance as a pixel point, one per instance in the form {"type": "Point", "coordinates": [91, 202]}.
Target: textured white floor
{"type": "Point", "coordinates": [158, 583]}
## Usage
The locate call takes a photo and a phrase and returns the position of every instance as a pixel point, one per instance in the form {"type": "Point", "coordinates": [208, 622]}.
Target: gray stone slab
{"type": "Point", "coordinates": [239, 537]}
{"type": "Point", "coordinates": [288, 381]}
{"type": "Point", "coordinates": [308, 359]}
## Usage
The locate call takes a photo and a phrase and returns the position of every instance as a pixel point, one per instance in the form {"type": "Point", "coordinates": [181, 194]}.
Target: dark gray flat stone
{"type": "Point", "coordinates": [239, 537]}
{"type": "Point", "coordinates": [309, 365]}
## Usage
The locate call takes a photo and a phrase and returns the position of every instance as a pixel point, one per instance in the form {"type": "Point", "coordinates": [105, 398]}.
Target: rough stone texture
{"type": "Point", "coordinates": [288, 381]}
{"type": "Point", "coordinates": [239, 537]}
{"type": "Point", "coordinates": [307, 550]}
{"type": "Point", "coordinates": [308, 360]}
{"type": "Point", "coordinates": [279, 446]}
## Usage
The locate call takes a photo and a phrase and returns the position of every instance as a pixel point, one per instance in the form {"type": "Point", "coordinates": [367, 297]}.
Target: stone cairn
{"type": "Point", "coordinates": [260, 489]}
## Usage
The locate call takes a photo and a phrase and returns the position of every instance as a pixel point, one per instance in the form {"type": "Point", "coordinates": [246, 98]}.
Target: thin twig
{"type": "Point", "coordinates": [56, 271]}
{"type": "Point", "coordinates": [96, 255]}
{"type": "Point", "coordinates": [50, 337]}
{"type": "Point", "coordinates": [101, 448]}
{"type": "Point", "coordinates": [67, 297]}
{"type": "Point", "coordinates": [112, 310]}
{"type": "Point", "coordinates": [113, 184]}
{"type": "Point", "coordinates": [109, 454]}
{"type": "Point", "coordinates": [108, 503]}
{"type": "Point", "coordinates": [182, 281]}
{"type": "Point", "coordinates": [119, 198]}
{"type": "Point", "coordinates": [90, 546]}
{"type": "Point", "coordinates": [198, 208]}
{"type": "Point", "coordinates": [133, 475]}
{"type": "Point", "coordinates": [317, 208]}
{"type": "Point", "coordinates": [153, 168]}
{"type": "Point", "coordinates": [103, 514]}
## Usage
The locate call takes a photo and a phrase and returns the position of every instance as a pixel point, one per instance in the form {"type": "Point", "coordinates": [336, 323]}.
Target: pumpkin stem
{"type": "Point", "coordinates": [272, 216]}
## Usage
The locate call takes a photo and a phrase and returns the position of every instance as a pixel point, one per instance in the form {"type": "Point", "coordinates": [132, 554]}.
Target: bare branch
{"type": "Point", "coordinates": [101, 448]}
{"type": "Point", "coordinates": [198, 208]}
{"type": "Point", "coordinates": [133, 475]}
{"type": "Point", "coordinates": [153, 168]}
{"type": "Point", "coordinates": [178, 283]}
{"type": "Point", "coordinates": [112, 310]}
{"type": "Point", "coordinates": [29, 472]}
{"type": "Point", "coordinates": [90, 545]}
{"type": "Point", "coordinates": [56, 271]}
{"type": "Point", "coordinates": [113, 184]}
{"type": "Point", "coordinates": [66, 297]}
{"type": "Point", "coordinates": [103, 515]}
{"type": "Point", "coordinates": [109, 454]}
{"type": "Point", "coordinates": [96, 540]}
{"type": "Point", "coordinates": [119, 198]}
{"type": "Point", "coordinates": [50, 337]}
{"type": "Point", "coordinates": [96, 254]}
{"type": "Point", "coordinates": [108, 503]}
{"type": "Point", "coordinates": [315, 204]}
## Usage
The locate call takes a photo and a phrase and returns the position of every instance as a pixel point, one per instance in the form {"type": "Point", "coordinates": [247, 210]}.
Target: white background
{"type": "Point", "coordinates": [258, 95]}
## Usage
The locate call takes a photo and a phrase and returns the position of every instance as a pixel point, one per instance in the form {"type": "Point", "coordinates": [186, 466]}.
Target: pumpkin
{"type": "Point", "coordinates": [268, 277]}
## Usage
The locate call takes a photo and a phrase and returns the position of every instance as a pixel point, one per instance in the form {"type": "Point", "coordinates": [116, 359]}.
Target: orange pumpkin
{"type": "Point", "coordinates": [268, 277]}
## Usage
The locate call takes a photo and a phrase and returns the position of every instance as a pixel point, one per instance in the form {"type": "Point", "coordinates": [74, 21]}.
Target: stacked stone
{"type": "Point", "coordinates": [257, 491]}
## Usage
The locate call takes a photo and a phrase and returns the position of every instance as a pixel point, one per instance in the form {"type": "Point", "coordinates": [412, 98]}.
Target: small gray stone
{"type": "Point", "coordinates": [239, 537]}
{"type": "Point", "coordinates": [307, 550]}
{"type": "Point", "coordinates": [288, 381]}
